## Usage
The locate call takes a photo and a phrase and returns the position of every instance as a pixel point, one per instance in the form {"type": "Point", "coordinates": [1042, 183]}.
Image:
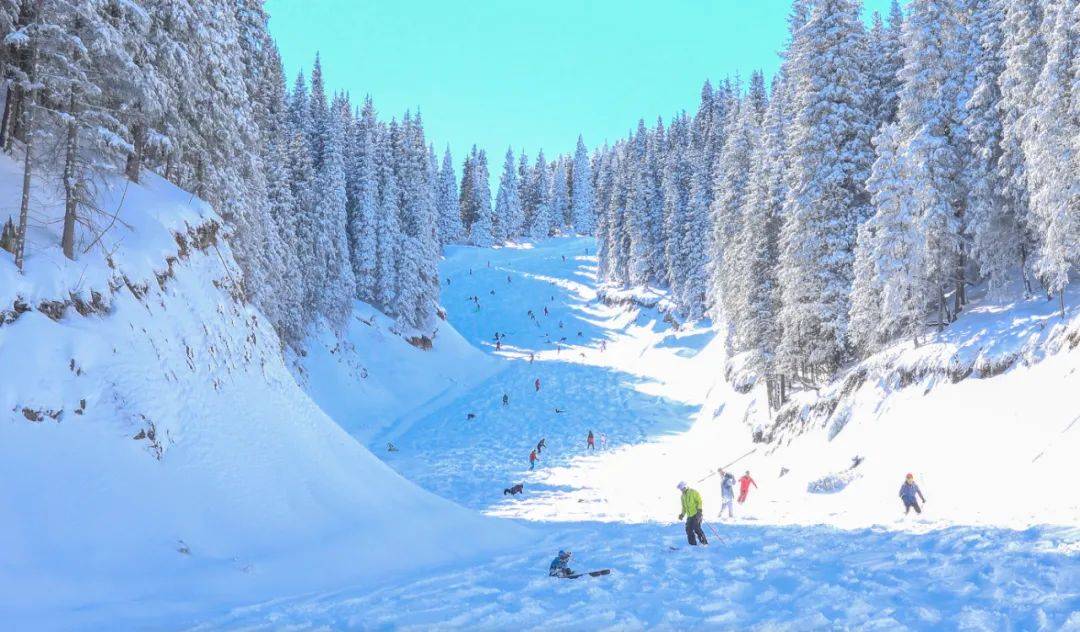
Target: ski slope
{"type": "Point", "coordinates": [997, 548]}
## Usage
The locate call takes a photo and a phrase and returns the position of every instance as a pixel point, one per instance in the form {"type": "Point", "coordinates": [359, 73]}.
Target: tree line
{"type": "Point", "coordinates": [854, 201]}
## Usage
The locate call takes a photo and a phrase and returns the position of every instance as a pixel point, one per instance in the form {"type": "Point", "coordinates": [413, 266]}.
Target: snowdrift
{"type": "Point", "coordinates": [158, 458]}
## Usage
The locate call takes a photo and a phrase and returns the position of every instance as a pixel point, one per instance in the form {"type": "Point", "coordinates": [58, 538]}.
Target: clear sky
{"type": "Point", "coordinates": [530, 74]}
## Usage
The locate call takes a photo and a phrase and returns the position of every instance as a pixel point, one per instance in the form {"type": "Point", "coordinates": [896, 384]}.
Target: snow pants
{"type": "Point", "coordinates": [729, 504]}
{"type": "Point", "coordinates": [693, 530]}
{"type": "Point", "coordinates": [911, 504]}
{"type": "Point", "coordinates": [742, 495]}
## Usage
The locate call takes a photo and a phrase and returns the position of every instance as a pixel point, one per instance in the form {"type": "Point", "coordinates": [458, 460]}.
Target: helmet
{"type": "Point", "coordinates": [910, 475]}
{"type": "Point", "coordinates": [565, 554]}
{"type": "Point", "coordinates": [681, 486]}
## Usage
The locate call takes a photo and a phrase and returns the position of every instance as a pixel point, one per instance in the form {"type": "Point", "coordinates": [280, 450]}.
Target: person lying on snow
{"type": "Point", "coordinates": [560, 566]}
{"type": "Point", "coordinates": [908, 491]}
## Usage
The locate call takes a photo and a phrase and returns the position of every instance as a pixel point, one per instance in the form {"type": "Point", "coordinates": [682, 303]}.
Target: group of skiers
{"type": "Point", "coordinates": [590, 444]}
{"type": "Point", "coordinates": [693, 507]}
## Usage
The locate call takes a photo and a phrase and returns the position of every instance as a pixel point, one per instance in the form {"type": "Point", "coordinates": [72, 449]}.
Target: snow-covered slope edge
{"type": "Point", "coordinates": [370, 378]}
{"type": "Point", "coordinates": [157, 457]}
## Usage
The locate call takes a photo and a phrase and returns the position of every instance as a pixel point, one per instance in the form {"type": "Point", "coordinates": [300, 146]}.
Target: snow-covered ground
{"type": "Point", "coordinates": [158, 460]}
{"type": "Point", "coordinates": [822, 546]}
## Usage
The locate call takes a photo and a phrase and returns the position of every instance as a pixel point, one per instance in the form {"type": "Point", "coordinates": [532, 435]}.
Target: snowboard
{"type": "Point", "coordinates": [604, 571]}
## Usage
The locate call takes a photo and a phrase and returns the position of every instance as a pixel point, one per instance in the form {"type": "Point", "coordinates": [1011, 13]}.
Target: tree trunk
{"type": "Point", "coordinates": [1061, 302]}
{"type": "Point", "coordinates": [28, 163]}
{"type": "Point", "coordinates": [5, 122]}
{"type": "Point", "coordinates": [71, 180]}
{"type": "Point", "coordinates": [135, 158]}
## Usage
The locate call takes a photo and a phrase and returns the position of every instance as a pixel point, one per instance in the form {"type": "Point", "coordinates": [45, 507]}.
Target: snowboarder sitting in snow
{"type": "Point", "coordinates": [908, 491]}
{"type": "Point", "coordinates": [744, 486]}
{"type": "Point", "coordinates": [390, 447]}
{"type": "Point", "coordinates": [514, 490]}
{"type": "Point", "coordinates": [470, 416]}
{"type": "Point", "coordinates": [727, 492]}
{"type": "Point", "coordinates": [560, 566]}
{"type": "Point", "coordinates": [692, 508]}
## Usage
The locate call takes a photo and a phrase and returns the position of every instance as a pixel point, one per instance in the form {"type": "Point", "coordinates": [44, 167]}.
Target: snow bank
{"type": "Point", "coordinates": [158, 459]}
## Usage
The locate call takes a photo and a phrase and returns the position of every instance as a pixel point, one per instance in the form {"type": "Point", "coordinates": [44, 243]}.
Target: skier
{"type": "Point", "coordinates": [390, 447]}
{"type": "Point", "coordinates": [908, 491]}
{"type": "Point", "coordinates": [603, 441]}
{"type": "Point", "coordinates": [541, 445]}
{"type": "Point", "coordinates": [531, 357]}
{"type": "Point", "coordinates": [727, 492]}
{"type": "Point", "coordinates": [590, 442]}
{"type": "Point", "coordinates": [537, 385]}
{"type": "Point", "coordinates": [506, 399]}
{"type": "Point", "coordinates": [691, 509]}
{"type": "Point", "coordinates": [498, 345]}
{"type": "Point", "coordinates": [603, 345]}
{"type": "Point", "coordinates": [533, 459]}
{"type": "Point", "coordinates": [560, 566]}
{"type": "Point", "coordinates": [508, 278]}
{"type": "Point", "coordinates": [545, 310]}
{"type": "Point", "coordinates": [744, 486]}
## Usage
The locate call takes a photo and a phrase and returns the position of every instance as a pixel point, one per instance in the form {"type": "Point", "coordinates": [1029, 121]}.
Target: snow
{"type": "Point", "coordinates": [256, 487]}
{"type": "Point", "coordinates": [159, 459]}
{"type": "Point", "coordinates": [996, 547]}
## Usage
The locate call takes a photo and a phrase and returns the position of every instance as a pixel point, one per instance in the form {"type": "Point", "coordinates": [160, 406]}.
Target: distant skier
{"type": "Point", "coordinates": [691, 509]}
{"type": "Point", "coordinates": [545, 310]}
{"type": "Point", "coordinates": [727, 492]}
{"type": "Point", "coordinates": [532, 356]}
{"type": "Point", "coordinates": [603, 441]}
{"type": "Point", "coordinates": [564, 258]}
{"type": "Point", "coordinates": [541, 445]}
{"type": "Point", "coordinates": [390, 447]}
{"type": "Point", "coordinates": [508, 278]}
{"type": "Point", "coordinates": [506, 399]}
{"type": "Point", "coordinates": [908, 491]}
{"type": "Point", "coordinates": [603, 345]}
{"type": "Point", "coordinates": [744, 486]}
{"type": "Point", "coordinates": [590, 442]}
{"type": "Point", "coordinates": [493, 291]}
{"type": "Point", "coordinates": [498, 345]}
{"type": "Point", "coordinates": [560, 566]}
{"type": "Point", "coordinates": [533, 459]}
{"type": "Point", "coordinates": [559, 411]}
{"type": "Point", "coordinates": [537, 385]}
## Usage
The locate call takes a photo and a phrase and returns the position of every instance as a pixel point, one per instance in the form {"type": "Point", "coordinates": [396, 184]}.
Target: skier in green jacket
{"type": "Point", "coordinates": [692, 510]}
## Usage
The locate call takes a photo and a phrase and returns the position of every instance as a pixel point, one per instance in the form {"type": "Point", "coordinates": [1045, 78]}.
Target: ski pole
{"type": "Point", "coordinates": [728, 465]}
{"type": "Point", "coordinates": [716, 533]}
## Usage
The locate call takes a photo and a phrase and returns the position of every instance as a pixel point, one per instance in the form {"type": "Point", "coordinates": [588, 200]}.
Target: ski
{"type": "Point", "coordinates": [604, 571]}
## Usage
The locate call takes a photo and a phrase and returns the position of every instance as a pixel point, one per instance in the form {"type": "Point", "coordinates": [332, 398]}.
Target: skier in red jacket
{"type": "Point", "coordinates": [744, 486]}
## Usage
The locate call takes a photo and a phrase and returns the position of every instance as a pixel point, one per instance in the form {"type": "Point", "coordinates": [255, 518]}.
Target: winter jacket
{"type": "Point", "coordinates": [559, 566]}
{"type": "Point", "coordinates": [727, 486]}
{"type": "Point", "coordinates": [908, 492]}
{"type": "Point", "coordinates": [532, 456]}
{"type": "Point", "coordinates": [691, 502]}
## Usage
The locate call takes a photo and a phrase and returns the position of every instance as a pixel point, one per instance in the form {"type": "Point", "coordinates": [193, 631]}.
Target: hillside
{"type": "Point", "coordinates": [159, 458]}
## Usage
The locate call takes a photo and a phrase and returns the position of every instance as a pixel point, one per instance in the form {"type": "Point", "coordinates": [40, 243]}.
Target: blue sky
{"type": "Point", "coordinates": [530, 74]}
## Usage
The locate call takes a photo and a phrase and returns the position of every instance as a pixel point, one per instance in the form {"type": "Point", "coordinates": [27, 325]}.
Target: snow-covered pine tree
{"type": "Point", "coordinates": [362, 189]}
{"type": "Point", "coordinates": [993, 221]}
{"type": "Point", "coordinates": [507, 204]}
{"type": "Point", "coordinates": [560, 193]}
{"type": "Point", "coordinates": [448, 204]}
{"type": "Point", "coordinates": [935, 76]}
{"type": "Point", "coordinates": [676, 193]}
{"type": "Point", "coordinates": [582, 217]}
{"type": "Point", "coordinates": [826, 198]}
{"type": "Point", "coordinates": [1051, 150]}
{"type": "Point", "coordinates": [482, 231]}
{"type": "Point", "coordinates": [540, 223]}
{"type": "Point", "coordinates": [387, 224]}
{"type": "Point", "coordinates": [332, 243]}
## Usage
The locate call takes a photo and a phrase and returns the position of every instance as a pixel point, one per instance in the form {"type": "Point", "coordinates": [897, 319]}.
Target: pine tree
{"type": "Point", "coordinates": [581, 199]}
{"type": "Point", "coordinates": [481, 233]}
{"type": "Point", "coordinates": [362, 189]}
{"type": "Point", "coordinates": [507, 204]}
{"type": "Point", "coordinates": [448, 204]}
{"type": "Point", "coordinates": [826, 198]}
{"type": "Point", "coordinates": [540, 223]}
{"type": "Point", "coordinates": [560, 193]}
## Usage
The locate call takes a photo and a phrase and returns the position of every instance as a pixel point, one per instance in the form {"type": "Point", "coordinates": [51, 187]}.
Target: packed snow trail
{"type": "Point", "coordinates": [617, 508]}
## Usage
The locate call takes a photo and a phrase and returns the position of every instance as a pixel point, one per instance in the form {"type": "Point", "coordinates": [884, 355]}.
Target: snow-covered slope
{"type": "Point", "coordinates": [158, 460]}
{"type": "Point", "coordinates": [660, 396]}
